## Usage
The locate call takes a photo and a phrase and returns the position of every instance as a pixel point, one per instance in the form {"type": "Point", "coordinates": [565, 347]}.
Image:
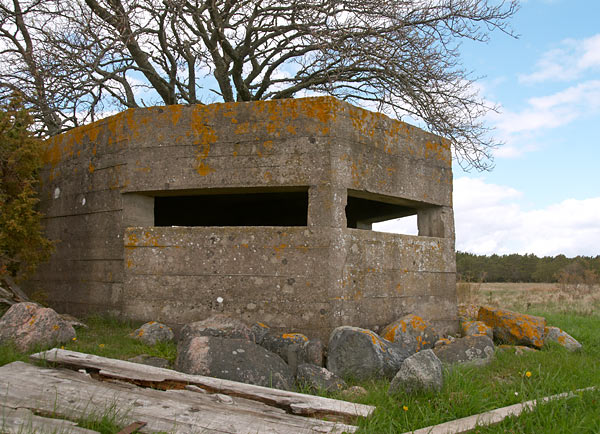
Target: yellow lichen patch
{"type": "Point", "coordinates": [129, 263]}
{"type": "Point", "coordinates": [91, 168]}
{"type": "Point", "coordinates": [280, 248]}
{"type": "Point", "coordinates": [390, 334]}
{"type": "Point", "coordinates": [175, 111]}
{"type": "Point", "coordinates": [375, 339]}
{"type": "Point", "coordinates": [263, 325]}
{"type": "Point", "coordinates": [268, 176]}
{"type": "Point", "coordinates": [294, 336]}
{"type": "Point", "coordinates": [243, 128]}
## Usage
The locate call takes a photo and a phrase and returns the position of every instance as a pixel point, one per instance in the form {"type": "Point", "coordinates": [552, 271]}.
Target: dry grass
{"type": "Point", "coordinates": [551, 297]}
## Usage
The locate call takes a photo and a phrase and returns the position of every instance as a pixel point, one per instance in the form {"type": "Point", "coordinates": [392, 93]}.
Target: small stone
{"type": "Point", "coordinates": [354, 392]}
{"type": "Point", "coordinates": [319, 378]}
{"type": "Point", "coordinates": [475, 350]}
{"type": "Point", "coordinates": [473, 328]}
{"type": "Point", "coordinates": [554, 334]}
{"type": "Point", "coordinates": [517, 349]}
{"type": "Point", "coordinates": [153, 332]}
{"type": "Point", "coordinates": [418, 373]}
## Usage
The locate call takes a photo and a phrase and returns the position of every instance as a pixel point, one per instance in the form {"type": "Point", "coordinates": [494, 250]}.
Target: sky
{"type": "Point", "coordinates": [543, 195]}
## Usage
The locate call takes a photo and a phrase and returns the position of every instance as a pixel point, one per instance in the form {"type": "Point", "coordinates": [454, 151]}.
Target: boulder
{"type": "Point", "coordinates": [514, 328]}
{"type": "Point", "coordinates": [294, 348]}
{"type": "Point", "coordinates": [219, 325]}
{"type": "Point", "coordinates": [146, 359]}
{"type": "Point", "coordinates": [411, 332]}
{"type": "Point", "coordinates": [473, 328]}
{"type": "Point", "coordinates": [233, 359]}
{"type": "Point", "coordinates": [442, 341]}
{"type": "Point", "coordinates": [31, 326]}
{"type": "Point", "coordinates": [420, 372]}
{"type": "Point", "coordinates": [153, 332]}
{"type": "Point", "coordinates": [475, 350]}
{"type": "Point", "coordinates": [361, 354]}
{"type": "Point", "coordinates": [318, 378]}
{"type": "Point", "coordinates": [554, 334]}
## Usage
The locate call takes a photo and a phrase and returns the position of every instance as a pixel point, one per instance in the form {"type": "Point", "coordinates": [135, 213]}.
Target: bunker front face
{"type": "Point", "coordinates": [259, 210]}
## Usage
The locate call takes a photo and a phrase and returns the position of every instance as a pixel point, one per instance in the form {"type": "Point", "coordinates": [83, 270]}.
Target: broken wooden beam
{"type": "Point", "coordinates": [72, 395]}
{"type": "Point", "coordinates": [151, 376]}
{"type": "Point", "coordinates": [22, 420]}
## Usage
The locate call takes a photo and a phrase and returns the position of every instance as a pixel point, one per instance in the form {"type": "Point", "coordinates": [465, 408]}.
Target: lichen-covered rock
{"type": "Point", "coordinates": [354, 392]}
{"type": "Point", "coordinates": [420, 372]}
{"type": "Point", "coordinates": [31, 326]}
{"type": "Point", "coordinates": [233, 359]}
{"type": "Point", "coordinates": [411, 332]}
{"type": "Point", "coordinates": [514, 328]}
{"type": "Point", "coordinates": [554, 334]}
{"type": "Point", "coordinates": [318, 378]}
{"type": "Point", "coordinates": [217, 326]}
{"type": "Point", "coordinates": [442, 341]}
{"type": "Point", "coordinates": [153, 332]}
{"type": "Point", "coordinates": [260, 330]}
{"type": "Point", "coordinates": [279, 343]}
{"type": "Point", "coordinates": [361, 354]}
{"type": "Point", "coordinates": [475, 350]}
{"type": "Point", "coordinates": [473, 328]}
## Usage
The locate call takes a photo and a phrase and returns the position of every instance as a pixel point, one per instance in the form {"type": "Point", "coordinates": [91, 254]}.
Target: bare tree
{"type": "Point", "coordinates": [75, 59]}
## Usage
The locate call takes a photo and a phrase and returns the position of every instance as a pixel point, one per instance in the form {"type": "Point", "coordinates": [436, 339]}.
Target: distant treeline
{"type": "Point", "coordinates": [527, 268]}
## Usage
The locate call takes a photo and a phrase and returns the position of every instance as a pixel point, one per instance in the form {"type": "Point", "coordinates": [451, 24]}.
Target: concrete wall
{"type": "Point", "coordinates": [99, 187]}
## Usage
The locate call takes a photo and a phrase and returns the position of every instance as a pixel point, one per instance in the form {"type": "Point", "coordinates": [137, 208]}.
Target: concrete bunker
{"type": "Point", "coordinates": [260, 210]}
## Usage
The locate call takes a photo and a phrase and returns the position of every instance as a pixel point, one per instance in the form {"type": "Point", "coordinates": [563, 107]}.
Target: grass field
{"type": "Point", "coordinates": [467, 391]}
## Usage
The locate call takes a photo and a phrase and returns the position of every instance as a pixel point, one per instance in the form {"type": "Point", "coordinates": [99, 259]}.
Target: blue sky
{"type": "Point", "coordinates": [543, 196]}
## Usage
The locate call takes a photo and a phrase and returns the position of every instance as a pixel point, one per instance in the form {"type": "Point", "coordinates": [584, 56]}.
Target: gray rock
{"type": "Point", "coordinates": [319, 378]}
{"type": "Point", "coordinates": [153, 332]}
{"type": "Point", "coordinates": [473, 328]}
{"type": "Point", "coordinates": [146, 359]}
{"type": "Point", "coordinates": [217, 326]}
{"type": "Point", "coordinates": [286, 344]}
{"type": "Point", "coordinates": [260, 330]}
{"type": "Point", "coordinates": [554, 334]}
{"type": "Point", "coordinates": [354, 392]}
{"type": "Point", "coordinates": [361, 354]}
{"type": "Point", "coordinates": [31, 326]}
{"type": "Point", "coordinates": [476, 350]}
{"type": "Point", "coordinates": [233, 359]}
{"type": "Point", "coordinates": [418, 373]}
{"type": "Point", "coordinates": [411, 332]}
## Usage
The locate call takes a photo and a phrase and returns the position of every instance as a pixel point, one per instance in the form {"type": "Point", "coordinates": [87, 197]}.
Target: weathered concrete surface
{"type": "Point", "coordinates": [99, 187]}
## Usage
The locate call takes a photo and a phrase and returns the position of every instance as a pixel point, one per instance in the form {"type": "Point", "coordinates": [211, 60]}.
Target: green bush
{"type": "Point", "coordinates": [22, 243]}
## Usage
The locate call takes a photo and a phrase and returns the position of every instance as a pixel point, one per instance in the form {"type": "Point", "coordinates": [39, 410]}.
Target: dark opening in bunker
{"type": "Point", "coordinates": [251, 208]}
{"type": "Point", "coordinates": [364, 209]}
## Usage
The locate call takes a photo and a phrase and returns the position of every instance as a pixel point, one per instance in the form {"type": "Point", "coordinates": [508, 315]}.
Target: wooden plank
{"type": "Point", "coordinates": [20, 421]}
{"type": "Point", "coordinates": [131, 428]}
{"type": "Point", "coordinates": [73, 394]}
{"type": "Point", "coordinates": [489, 417]}
{"type": "Point", "coordinates": [291, 401]}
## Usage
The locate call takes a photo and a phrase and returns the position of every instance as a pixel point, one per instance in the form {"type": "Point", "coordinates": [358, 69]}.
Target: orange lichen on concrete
{"type": "Point", "coordinates": [175, 111]}
{"type": "Point", "coordinates": [204, 136]}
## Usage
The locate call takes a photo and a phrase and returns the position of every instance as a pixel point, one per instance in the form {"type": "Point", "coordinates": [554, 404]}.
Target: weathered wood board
{"type": "Point", "coordinates": [21, 421]}
{"type": "Point", "coordinates": [73, 394]}
{"type": "Point", "coordinates": [298, 403]}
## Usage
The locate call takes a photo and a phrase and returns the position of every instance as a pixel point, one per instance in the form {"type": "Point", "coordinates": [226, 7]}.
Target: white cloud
{"type": "Point", "coordinates": [554, 110]}
{"type": "Point", "coordinates": [570, 61]}
{"type": "Point", "coordinates": [490, 220]}
{"type": "Point", "coordinates": [498, 224]}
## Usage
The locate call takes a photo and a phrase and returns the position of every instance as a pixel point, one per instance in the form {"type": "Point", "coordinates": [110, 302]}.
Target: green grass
{"type": "Point", "coordinates": [467, 390]}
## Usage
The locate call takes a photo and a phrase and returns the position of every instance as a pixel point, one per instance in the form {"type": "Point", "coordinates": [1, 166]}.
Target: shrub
{"type": "Point", "coordinates": [22, 243]}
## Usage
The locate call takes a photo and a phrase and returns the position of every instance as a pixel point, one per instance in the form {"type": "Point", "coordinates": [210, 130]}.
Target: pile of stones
{"type": "Point", "coordinates": [408, 351]}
